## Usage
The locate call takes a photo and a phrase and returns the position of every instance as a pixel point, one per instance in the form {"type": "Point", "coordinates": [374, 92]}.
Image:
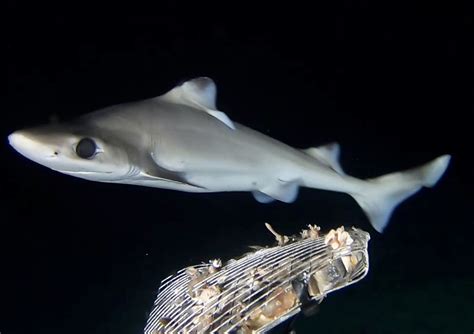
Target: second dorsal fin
{"type": "Point", "coordinates": [328, 154]}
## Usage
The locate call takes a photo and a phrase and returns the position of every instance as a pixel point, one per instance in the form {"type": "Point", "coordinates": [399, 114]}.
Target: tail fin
{"type": "Point", "coordinates": [387, 191]}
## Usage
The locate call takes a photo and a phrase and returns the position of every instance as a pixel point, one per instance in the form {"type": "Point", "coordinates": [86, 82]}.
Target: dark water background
{"type": "Point", "coordinates": [392, 83]}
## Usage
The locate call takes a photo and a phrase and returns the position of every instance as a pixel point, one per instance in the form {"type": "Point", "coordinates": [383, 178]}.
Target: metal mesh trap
{"type": "Point", "coordinates": [261, 289]}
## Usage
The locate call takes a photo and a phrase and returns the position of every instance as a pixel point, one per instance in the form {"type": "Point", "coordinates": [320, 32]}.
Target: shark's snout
{"type": "Point", "coordinates": [20, 141]}
{"type": "Point", "coordinates": [30, 145]}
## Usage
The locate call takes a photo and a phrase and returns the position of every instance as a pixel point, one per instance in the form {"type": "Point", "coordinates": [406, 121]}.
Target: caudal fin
{"type": "Point", "coordinates": [386, 192]}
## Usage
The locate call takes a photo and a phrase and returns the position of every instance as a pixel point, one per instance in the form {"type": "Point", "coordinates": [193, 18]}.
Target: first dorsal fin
{"type": "Point", "coordinates": [327, 154]}
{"type": "Point", "coordinates": [199, 93]}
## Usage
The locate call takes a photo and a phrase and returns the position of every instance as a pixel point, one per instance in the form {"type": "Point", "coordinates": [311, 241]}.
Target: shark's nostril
{"type": "Point", "coordinates": [54, 154]}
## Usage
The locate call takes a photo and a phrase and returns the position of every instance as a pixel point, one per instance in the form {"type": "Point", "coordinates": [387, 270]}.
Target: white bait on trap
{"type": "Point", "coordinates": [260, 290]}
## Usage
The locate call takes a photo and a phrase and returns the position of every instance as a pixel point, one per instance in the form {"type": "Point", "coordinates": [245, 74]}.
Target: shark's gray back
{"type": "Point", "coordinates": [183, 138]}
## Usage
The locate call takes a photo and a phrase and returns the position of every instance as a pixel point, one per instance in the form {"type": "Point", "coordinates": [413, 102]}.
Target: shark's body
{"type": "Point", "coordinates": [180, 141]}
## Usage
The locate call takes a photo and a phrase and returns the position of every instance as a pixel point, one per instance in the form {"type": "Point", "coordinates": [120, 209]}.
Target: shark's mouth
{"type": "Point", "coordinates": [81, 172]}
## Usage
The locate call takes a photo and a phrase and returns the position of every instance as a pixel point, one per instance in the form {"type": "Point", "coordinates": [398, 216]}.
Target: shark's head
{"type": "Point", "coordinates": [75, 151]}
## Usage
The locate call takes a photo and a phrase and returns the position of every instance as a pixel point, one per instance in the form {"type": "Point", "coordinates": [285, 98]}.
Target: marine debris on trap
{"type": "Point", "coordinates": [261, 289]}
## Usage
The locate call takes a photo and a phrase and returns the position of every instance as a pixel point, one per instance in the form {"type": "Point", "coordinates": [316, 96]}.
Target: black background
{"type": "Point", "coordinates": [392, 83]}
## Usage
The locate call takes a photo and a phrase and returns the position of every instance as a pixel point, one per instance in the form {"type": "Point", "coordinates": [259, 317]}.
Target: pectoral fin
{"type": "Point", "coordinates": [151, 170]}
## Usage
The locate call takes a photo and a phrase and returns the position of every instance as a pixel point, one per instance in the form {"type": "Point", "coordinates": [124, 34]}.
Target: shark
{"type": "Point", "coordinates": [180, 140]}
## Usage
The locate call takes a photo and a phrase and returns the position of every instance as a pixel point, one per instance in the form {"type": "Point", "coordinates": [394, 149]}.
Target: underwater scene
{"type": "Point", "coordinates": [188, 168]}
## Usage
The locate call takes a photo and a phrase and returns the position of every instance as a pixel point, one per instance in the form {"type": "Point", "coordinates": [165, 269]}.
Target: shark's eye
{"type": "Point", "coordinates": [86, 148]}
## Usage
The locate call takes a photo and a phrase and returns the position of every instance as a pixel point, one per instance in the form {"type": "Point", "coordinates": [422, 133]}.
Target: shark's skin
{"type": "Point", "coordinates": [180, 141]}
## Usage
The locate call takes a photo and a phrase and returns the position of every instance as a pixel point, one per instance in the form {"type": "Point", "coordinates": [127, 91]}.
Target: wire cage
{"type": "Point", "coordinates": [262, 288]}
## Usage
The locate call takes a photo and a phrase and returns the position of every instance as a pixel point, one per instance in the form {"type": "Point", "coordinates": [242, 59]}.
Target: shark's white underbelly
{"type": "Point", "coordinates": [232, 182]}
